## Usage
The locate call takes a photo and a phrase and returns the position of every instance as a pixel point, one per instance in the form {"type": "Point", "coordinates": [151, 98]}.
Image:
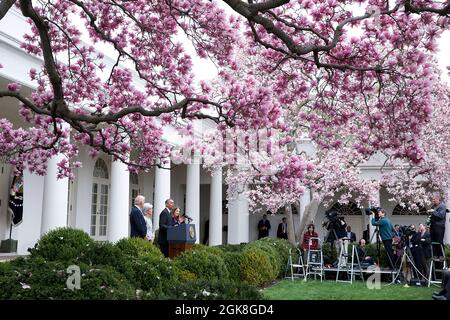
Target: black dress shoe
{"type": "Point", "coordinates": [436, 297]}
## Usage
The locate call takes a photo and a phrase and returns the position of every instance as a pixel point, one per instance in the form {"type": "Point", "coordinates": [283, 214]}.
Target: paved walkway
{"type": "Point", "coordinates": [8, 256]}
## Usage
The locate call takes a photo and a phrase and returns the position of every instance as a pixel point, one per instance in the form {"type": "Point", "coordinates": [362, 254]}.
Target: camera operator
{"type": "Point", "coordinates": [338, 232]}
{"type": "Point", "coordinates": [437, 222]}
{"type": "Point", "coordinates": [386, 229]}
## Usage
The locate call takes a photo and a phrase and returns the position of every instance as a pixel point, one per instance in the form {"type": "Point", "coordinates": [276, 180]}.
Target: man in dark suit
{"type": "Point", "coordinates": [282, 229]}
{"type": "Point", "coordinates": [263, 227]}
{"type": "Point", "coordinates": [351, 235]}
{"type": "Point", "coordinates": [165, 219]}
{"type": "Point", "coordinates": [137, 221]}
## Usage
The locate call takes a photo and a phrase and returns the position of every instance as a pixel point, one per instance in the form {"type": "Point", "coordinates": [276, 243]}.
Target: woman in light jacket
{"type": "Point", "coordinates": [148, 214]}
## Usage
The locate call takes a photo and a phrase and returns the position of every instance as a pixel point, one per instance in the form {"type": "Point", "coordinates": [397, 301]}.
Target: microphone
{"type": "Point", "coordinates": [187, 217]}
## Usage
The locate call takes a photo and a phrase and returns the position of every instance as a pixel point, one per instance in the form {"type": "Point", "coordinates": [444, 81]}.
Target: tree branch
{"type": "Point", "coordinates": [444, 11]}
{"type": "Point", "coordinates": [5, 5]}
{"type": "Point", "coordinates": [49, 61]}
{"type": "Point", "coordinates": [25, 101]}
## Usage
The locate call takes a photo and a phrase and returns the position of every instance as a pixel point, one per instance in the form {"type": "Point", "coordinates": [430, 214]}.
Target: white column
{"type": "Point", "coordinates": [238, 220]}
{"type": "Point", "coordinates": [162, 192]}
{"type": "Point", "coordinates": [447, 221]}
{"type": "Point", "coordinates": [118, 218]}
{"type": "Point", "coordinates": [193, 196]}
{"type": "Point", "coordinates": [373, 239]}
{"type": "Point", "coordinates": [54, 206]}
{"type": "Point", "coordinates": [28, 232]}
{"type": "Point", "coordinates": [215, 209]}
{"type": "Point", "coordinates": [84, 177]}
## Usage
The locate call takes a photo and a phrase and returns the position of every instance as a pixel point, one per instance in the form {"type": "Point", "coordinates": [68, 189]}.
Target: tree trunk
{"type": "Point", "coordinates": [290, 225]}
{"type": "Point", "coordinates": [308, 216]}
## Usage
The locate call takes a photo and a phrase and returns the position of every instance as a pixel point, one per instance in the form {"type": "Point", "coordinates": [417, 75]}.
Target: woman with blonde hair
{"type": "Point", "coordinates": [148, 214]}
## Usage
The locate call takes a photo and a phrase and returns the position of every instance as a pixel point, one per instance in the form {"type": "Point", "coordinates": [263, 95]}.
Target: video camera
{"type": "Point", "coordinates": [332, 217]}
{"type": "Point", "coordinates": [407, 231]}
{"type": "Point", "coordinates": [375, 210]}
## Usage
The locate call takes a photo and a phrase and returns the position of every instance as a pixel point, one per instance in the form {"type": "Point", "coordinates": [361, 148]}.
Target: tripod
{"type": "Point", "coordinates": [378, 240]}
{"type": "Point", "coordinates": [407, 257]}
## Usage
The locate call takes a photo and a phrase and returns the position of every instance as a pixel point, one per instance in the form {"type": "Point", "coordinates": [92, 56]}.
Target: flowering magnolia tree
{"type": "Point", "coordinates": [355, 76]}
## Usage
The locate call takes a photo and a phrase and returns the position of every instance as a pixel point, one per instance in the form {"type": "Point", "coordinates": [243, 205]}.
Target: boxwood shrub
{"type": "Point", "coordinates": [37, 278]}
{"type": "Point", "coordinates": [203, 289]}
{"type": "Point", "coordinates": [203, 263]}
{"type": "Point", "coordinates": [233, 263]}
{"type": "Point", "coordinates": [62, 244]}
{"type": "Point", "coordinates": [280, 248]}
{"type": "Point", "coordinates": [137, 247]}
{"type": "Point", "coordinates": [257, 267]}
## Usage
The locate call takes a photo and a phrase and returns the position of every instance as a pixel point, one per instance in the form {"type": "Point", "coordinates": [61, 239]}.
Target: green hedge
{"type": "Point", "coordinates": [257, 267]}
{"type": "Point", "coordinates": [279, 248]}
{"type": "Point", "coordinates": [62, 244]}
{"type": "Point", "coordinates": [232, 247]}
{"type": "Point", "coordinates": [214, 290]}
{"type": "Point", "coordinates": [137, 247]}
{"type": "Point", "coordinates": [233, 262]}
{"type": "Point", "coordinates": [203, 263]}
{"type": "Point", "coordinates": [37, 278]}
{"type": "Point", "coordinates": [135, 268]}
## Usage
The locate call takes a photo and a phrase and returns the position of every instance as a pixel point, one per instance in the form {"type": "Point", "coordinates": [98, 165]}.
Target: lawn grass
{"type": "Point", "coordinates": [330, 290]}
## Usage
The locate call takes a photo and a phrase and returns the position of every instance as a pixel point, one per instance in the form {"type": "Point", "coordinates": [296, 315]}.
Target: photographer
{"type": "Point", "coordinates": [386, 228]}
{"type": "Point", "coordinates": [338, 232]}
{"type": "Point", "coordinates": [437, 219]}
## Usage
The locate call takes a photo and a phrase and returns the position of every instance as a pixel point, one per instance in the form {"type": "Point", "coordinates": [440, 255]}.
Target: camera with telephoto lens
{"type": "Point", "coordinates": [407, 231]}
{"type": "Point", "coordinates": [375, 210]}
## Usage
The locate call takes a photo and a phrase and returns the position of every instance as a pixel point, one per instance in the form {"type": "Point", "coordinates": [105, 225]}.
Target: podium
{"type": "Point", "coordinates": [180, 238]}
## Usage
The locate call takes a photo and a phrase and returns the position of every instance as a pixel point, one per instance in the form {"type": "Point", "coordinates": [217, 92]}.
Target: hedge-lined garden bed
{"type": "Point", "coordinates": [136, 269]}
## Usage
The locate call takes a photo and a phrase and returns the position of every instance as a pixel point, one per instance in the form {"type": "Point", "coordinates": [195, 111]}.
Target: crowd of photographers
{"type": "Point", "coordinates": [401, 243]}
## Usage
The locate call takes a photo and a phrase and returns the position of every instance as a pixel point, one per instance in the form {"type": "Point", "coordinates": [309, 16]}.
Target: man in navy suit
{"type": "Point", "coordinates": [351, 235]}
{"type": "Point", "coordinates": [137, 221]}
{"type": "Point", "coordinates": [165, 222]}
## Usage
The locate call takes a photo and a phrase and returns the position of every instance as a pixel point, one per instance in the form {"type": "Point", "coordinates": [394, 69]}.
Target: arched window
{"type": "Point", "coordinates": [404, 211]}
{"type": "Point", "coordinates": [350, 209]}
{"type": "Point", "coordinates": [100, 169]}
{"type": "Point", "coordinates": [134, 179]}
{"type": "Point", "coordinates": [99, 201]}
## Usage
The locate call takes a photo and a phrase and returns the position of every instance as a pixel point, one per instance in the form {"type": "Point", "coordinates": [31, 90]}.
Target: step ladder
{"type": "Point", "coordinates": [314, 260]}
{"type": "Point", "coordinates": [298, 267]}
{"type": "Point", "coordinates": [349, 267]}
{"type": "Point", "coordinates": [434, 259]}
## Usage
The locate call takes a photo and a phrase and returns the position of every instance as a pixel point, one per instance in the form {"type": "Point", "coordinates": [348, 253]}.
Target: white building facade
{"type": "Point", "coordinates": [99, 199]}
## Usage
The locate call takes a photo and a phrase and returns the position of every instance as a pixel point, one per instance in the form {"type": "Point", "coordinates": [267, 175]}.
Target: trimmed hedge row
{"type": "Point", "coordinates": [135, 269]}
{"type": "Point", "coordinates": [129, 269]}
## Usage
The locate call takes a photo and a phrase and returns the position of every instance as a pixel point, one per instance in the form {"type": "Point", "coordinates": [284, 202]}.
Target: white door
{"type": "Point", "coordinates": [99, 210]}
{"type": "Point", "coordinates": [99, 201]}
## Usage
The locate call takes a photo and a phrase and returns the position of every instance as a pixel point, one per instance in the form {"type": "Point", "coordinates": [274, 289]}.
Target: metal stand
{"type": "Point", "coordinates": [432, 274]}
{"type": "Point", "coordinates": [407, 257]}
{"type": "Point", "coordinates": [299, 266]}
{"type": "Point", "coordinates": [349, 267]}
{"type": "Point", "coordinates": [314, 267]}
{"type": "Point", "coordinates": [378, 241]}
